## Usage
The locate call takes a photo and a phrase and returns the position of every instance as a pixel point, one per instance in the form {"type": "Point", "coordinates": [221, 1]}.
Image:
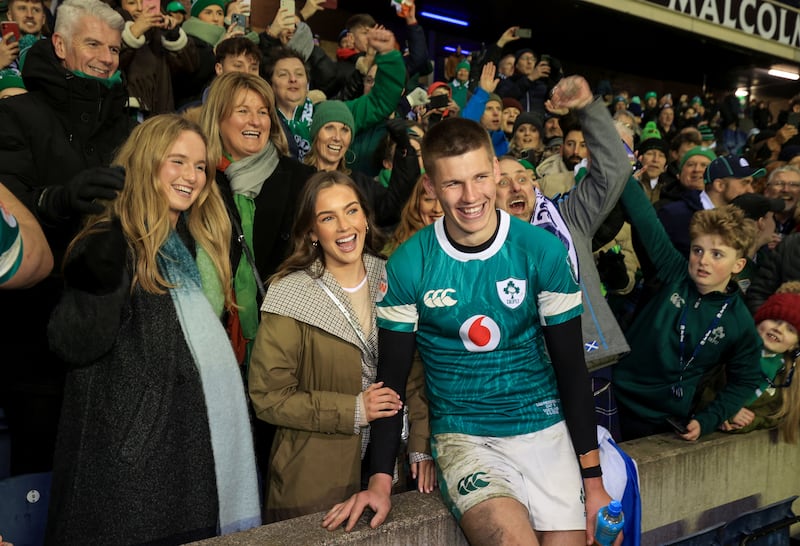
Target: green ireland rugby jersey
{"type": "Point", "coordinates": [478, 321]}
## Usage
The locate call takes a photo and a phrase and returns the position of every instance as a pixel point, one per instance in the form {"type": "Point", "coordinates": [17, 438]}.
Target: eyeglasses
{"type": "Point", "coordinates": [521, 180]}
{"type": "Point", "coordinates": [782, 184]}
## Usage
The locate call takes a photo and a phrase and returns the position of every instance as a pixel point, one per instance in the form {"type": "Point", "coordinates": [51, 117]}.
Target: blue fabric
{"type": "Point", "coordinates": [474, 111]}
{"type": "Point", "coordinates": [228, 420]}
{"type": "Point", "coordinates": [631, 502]}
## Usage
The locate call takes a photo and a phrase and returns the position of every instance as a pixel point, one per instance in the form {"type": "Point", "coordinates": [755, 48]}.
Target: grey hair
{"type": "Point", "coordinates": [784, 169]}
{"type": "Point", "coordinates": [623, 129]}
{"type": "Point", "coordinates": [71, 12]}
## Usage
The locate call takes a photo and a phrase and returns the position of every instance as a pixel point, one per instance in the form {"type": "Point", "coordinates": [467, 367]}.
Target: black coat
{"type": "Point", "coordinates": [276, 208]}
{"type": "Point", "coordinates": [65, 124]}
{"type": "Point", "coordinates": [779, 266]}
{"type": "Point", "coordinates": [134, 462]}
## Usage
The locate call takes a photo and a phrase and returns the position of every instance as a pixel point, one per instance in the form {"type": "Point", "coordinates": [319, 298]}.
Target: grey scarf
{"type": "Point", "coordinates": [248, 174]}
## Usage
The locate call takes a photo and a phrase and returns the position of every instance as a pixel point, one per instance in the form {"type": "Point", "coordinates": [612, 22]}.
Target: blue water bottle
{"type": "Point", "coordinates": [609, 523]}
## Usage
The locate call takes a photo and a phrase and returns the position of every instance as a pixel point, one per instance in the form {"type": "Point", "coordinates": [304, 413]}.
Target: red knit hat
{"type": "Point", "coordinates": [436, 85]}
{"type": "Point", "coordinates": [784, 307]}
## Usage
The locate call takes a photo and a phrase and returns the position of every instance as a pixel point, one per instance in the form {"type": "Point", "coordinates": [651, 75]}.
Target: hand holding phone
{"type": "Point", "coordinates": [289, 6]}
{"type": "Point", "coordinates": [10, 27]}
{"type": "Point", "coordinates": [240, 20]}
{"type": "Point", "coordinates": [438, 101]}
{"type": "Point", "coordinates": [678, 424]}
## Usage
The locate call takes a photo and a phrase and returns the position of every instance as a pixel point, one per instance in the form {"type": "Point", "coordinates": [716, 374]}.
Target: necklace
{"type": "Point", "coordinates": [677, 388]}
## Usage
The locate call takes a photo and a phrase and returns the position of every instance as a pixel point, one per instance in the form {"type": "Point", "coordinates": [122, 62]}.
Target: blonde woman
{"type": "Point", "coordinates": [421, 209]}
{"type": "Point", "coordinates": [154, 443]}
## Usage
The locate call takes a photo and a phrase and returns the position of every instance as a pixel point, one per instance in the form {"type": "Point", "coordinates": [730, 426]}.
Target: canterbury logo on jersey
{"type": "Point", "coordinates": [441, 297]}
{"type": "Point", "coordinates": [471, 483]}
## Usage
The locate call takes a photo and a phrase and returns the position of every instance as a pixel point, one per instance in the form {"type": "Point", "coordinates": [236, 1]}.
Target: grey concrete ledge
{"type": "Point", "coordinates": [685, 487]}
{"type": "Point", "coordinates": [415, 520]}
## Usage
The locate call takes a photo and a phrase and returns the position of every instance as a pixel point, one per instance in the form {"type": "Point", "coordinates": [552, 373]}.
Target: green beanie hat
{"type": "Point", "coordinates": [10, 79]}
{"type": "Point", "coordinates": [200, 5]}
{"type": "Point", "coordinates": [175, 7]}
{"type": "Point", "coordinates": [462, 64]}
{"type": "Point", "coordinates": [650, 131]}
{"type": "Point", "coordinates": [707, 133]}
{"type": "Point", "coordinates": [650, 95]}
{"type": "Point", "coordinates": [698, 150]}
{"type": "Point", "coordinates": [328, 111]}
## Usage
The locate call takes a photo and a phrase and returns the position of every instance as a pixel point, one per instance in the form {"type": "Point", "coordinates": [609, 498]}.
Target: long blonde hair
{"type": "Point", "coordinates": [410, 219]}
{"type": "Point", "coordinates": [221, 101]}
{"type": "Point", "coordinates": [789, 414]}
{"type": "Point", "coordinates": [143, 209]}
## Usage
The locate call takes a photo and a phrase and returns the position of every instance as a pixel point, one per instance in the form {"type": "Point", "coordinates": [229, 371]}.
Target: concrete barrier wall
{"type": "Point", "coordinates": [685, 487]}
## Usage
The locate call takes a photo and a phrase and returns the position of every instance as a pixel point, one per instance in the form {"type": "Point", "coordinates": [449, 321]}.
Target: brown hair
{"type": "Point", "coordinates": [304, 254]}
{"type": "Point", "coordinates": [453, 137]}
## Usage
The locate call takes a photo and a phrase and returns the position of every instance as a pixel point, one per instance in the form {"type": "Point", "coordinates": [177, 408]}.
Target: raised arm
{"type": "Point", "coordinates": [592, 199]}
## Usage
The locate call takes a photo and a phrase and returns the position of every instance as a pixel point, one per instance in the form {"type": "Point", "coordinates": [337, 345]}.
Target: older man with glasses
{"type": "Point", "coordinates": [784, 183]}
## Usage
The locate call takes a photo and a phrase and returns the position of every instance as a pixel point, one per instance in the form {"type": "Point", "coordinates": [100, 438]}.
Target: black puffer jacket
{"type": "Point", "coordinates": [63, 125]}
{"type": "Point", "coordinates": [780, 266]}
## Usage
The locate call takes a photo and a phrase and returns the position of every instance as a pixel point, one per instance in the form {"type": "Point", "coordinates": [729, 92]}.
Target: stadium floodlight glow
{"type": "Point", "coordinates": [444, 18]}
{"type": "Point", "coordinates": [785, 74]}
{"type": "Point", "coordinates": [741, 92]}
{"type": "Point", "coordinates": [451, 49]}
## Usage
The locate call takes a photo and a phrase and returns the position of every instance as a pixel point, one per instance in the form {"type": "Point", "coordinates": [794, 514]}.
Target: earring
{"type": "Point", "coordinates": [367, 228]}
{"type": "Point", "coordinates": [315, 244]}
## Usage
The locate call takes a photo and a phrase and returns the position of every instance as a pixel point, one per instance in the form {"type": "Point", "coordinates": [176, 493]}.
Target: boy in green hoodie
{"type": "Point", "coordinates": [697, 322]}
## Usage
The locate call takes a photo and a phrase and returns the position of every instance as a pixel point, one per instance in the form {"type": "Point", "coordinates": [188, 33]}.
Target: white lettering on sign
{"type": "Point", "coordinates": [763, 18]}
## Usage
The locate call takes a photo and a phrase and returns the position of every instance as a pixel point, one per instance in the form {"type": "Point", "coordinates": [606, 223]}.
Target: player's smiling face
{"type": "Point", "coordinates": [466, 188]}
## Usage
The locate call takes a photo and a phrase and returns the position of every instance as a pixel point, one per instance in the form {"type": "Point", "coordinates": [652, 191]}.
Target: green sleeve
{"type": "Point", "coordinates": [374, 108]}
{"type": "Point", "coordinates": [669, 263]}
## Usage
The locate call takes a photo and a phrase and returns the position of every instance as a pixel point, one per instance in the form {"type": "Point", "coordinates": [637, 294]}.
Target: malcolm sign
{"type": "Point", "coordinates": [756, 17]}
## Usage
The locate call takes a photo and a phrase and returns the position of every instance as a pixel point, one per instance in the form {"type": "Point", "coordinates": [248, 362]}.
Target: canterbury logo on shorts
{"type": "Point", "coordinates": [471, 483]}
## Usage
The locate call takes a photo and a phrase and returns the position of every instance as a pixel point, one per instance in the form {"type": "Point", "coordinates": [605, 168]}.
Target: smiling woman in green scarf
{"type": "Point", "coordinates": [259, 183]}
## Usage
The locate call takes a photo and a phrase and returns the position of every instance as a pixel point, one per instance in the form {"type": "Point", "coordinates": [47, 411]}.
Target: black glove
{"type": "Point", "coordinates": [612, 270]}
{"type": "Point", "coordinates": [398, 131]}
{"type": "Point", "coordinates": [97, 262]}
{"type": "Point", "coordinates": [78, 196]}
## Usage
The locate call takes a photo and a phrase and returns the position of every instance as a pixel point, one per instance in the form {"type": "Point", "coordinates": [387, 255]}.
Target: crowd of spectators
{"type": "Point", "coordinates": [182, 199]}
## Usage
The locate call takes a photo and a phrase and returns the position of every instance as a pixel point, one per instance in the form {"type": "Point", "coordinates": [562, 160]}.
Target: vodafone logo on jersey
{"type": "Point", "coordinates": [442, 297]}
{"type": "Point", "coordinates": [480, 334]}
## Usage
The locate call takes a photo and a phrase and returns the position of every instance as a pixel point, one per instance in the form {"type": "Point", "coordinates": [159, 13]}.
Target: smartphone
{"type": "Point", "coordinates": [288, 5]}
{"type": "Point", "coordinates": [524, 33]}
{"type": "Point", "coordinates": [438, 101]}
{"type": "Point", "coordinates": [241, 20]}
{"type": "Point", "coordinates": [11, 27]}
{"type": "Point", "coordinates": [793, 119]}
{"type": "Point", "coordinates": [151, 6]}
{"type": "Point", "coordinates": [678, 424]}
{"type": "Point", "coordinates": [331, 4]}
